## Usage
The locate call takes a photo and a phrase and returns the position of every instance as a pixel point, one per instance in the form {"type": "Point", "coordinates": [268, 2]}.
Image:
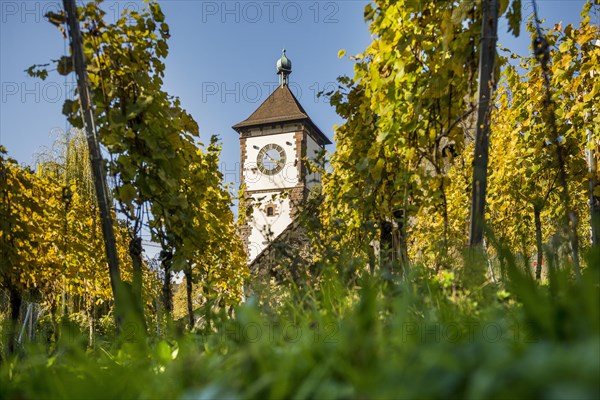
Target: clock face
{"type": "Point", "coordinates": [271, 159]}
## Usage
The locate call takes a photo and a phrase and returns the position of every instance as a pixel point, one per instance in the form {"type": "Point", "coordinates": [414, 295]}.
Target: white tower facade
{"type": "Point", "coordinates": [276, 142]}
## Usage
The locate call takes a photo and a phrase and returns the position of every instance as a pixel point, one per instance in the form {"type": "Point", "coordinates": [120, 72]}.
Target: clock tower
{"type": "Point", "coordinates": [275, 143]}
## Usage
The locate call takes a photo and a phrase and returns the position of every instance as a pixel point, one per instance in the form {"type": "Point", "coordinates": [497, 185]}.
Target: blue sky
{"type": "Point", "coordinates": [221, 62]}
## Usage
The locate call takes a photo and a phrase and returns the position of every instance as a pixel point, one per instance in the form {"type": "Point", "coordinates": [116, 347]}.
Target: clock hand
{"type": "Point", "coordinates": [272, 159]}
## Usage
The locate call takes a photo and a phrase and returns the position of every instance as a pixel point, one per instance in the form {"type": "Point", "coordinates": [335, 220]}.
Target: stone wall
{"type": "Point", "coordinates": [286, 257]}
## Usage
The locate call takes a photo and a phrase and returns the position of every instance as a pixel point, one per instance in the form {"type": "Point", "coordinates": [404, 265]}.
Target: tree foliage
{"type": "Point", "coordinates": [524, 180]}
{"type": "Point", "coordinates": [406, 142]}
{"type": "Point", "coordinates": [52, 247]}
{"type": "Point", "coordinates": [407, 111]}
{"type": "Point", "coordinates": [162, 177]}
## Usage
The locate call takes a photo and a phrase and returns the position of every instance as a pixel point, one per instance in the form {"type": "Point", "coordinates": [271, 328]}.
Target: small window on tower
{"type": "Point", "coordinates": [269, 211]}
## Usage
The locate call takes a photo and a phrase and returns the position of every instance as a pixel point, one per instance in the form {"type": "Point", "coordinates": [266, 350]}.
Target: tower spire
{"type": "Point", "coordinates": [284, 69]}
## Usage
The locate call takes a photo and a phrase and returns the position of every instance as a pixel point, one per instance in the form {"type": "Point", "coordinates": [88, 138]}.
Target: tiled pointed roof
{"type": "Point", "coordinates": [280, 106]}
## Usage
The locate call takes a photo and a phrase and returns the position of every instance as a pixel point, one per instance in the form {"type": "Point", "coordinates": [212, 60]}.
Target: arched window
{"type": "Point", "coordinates": [270, 211]}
